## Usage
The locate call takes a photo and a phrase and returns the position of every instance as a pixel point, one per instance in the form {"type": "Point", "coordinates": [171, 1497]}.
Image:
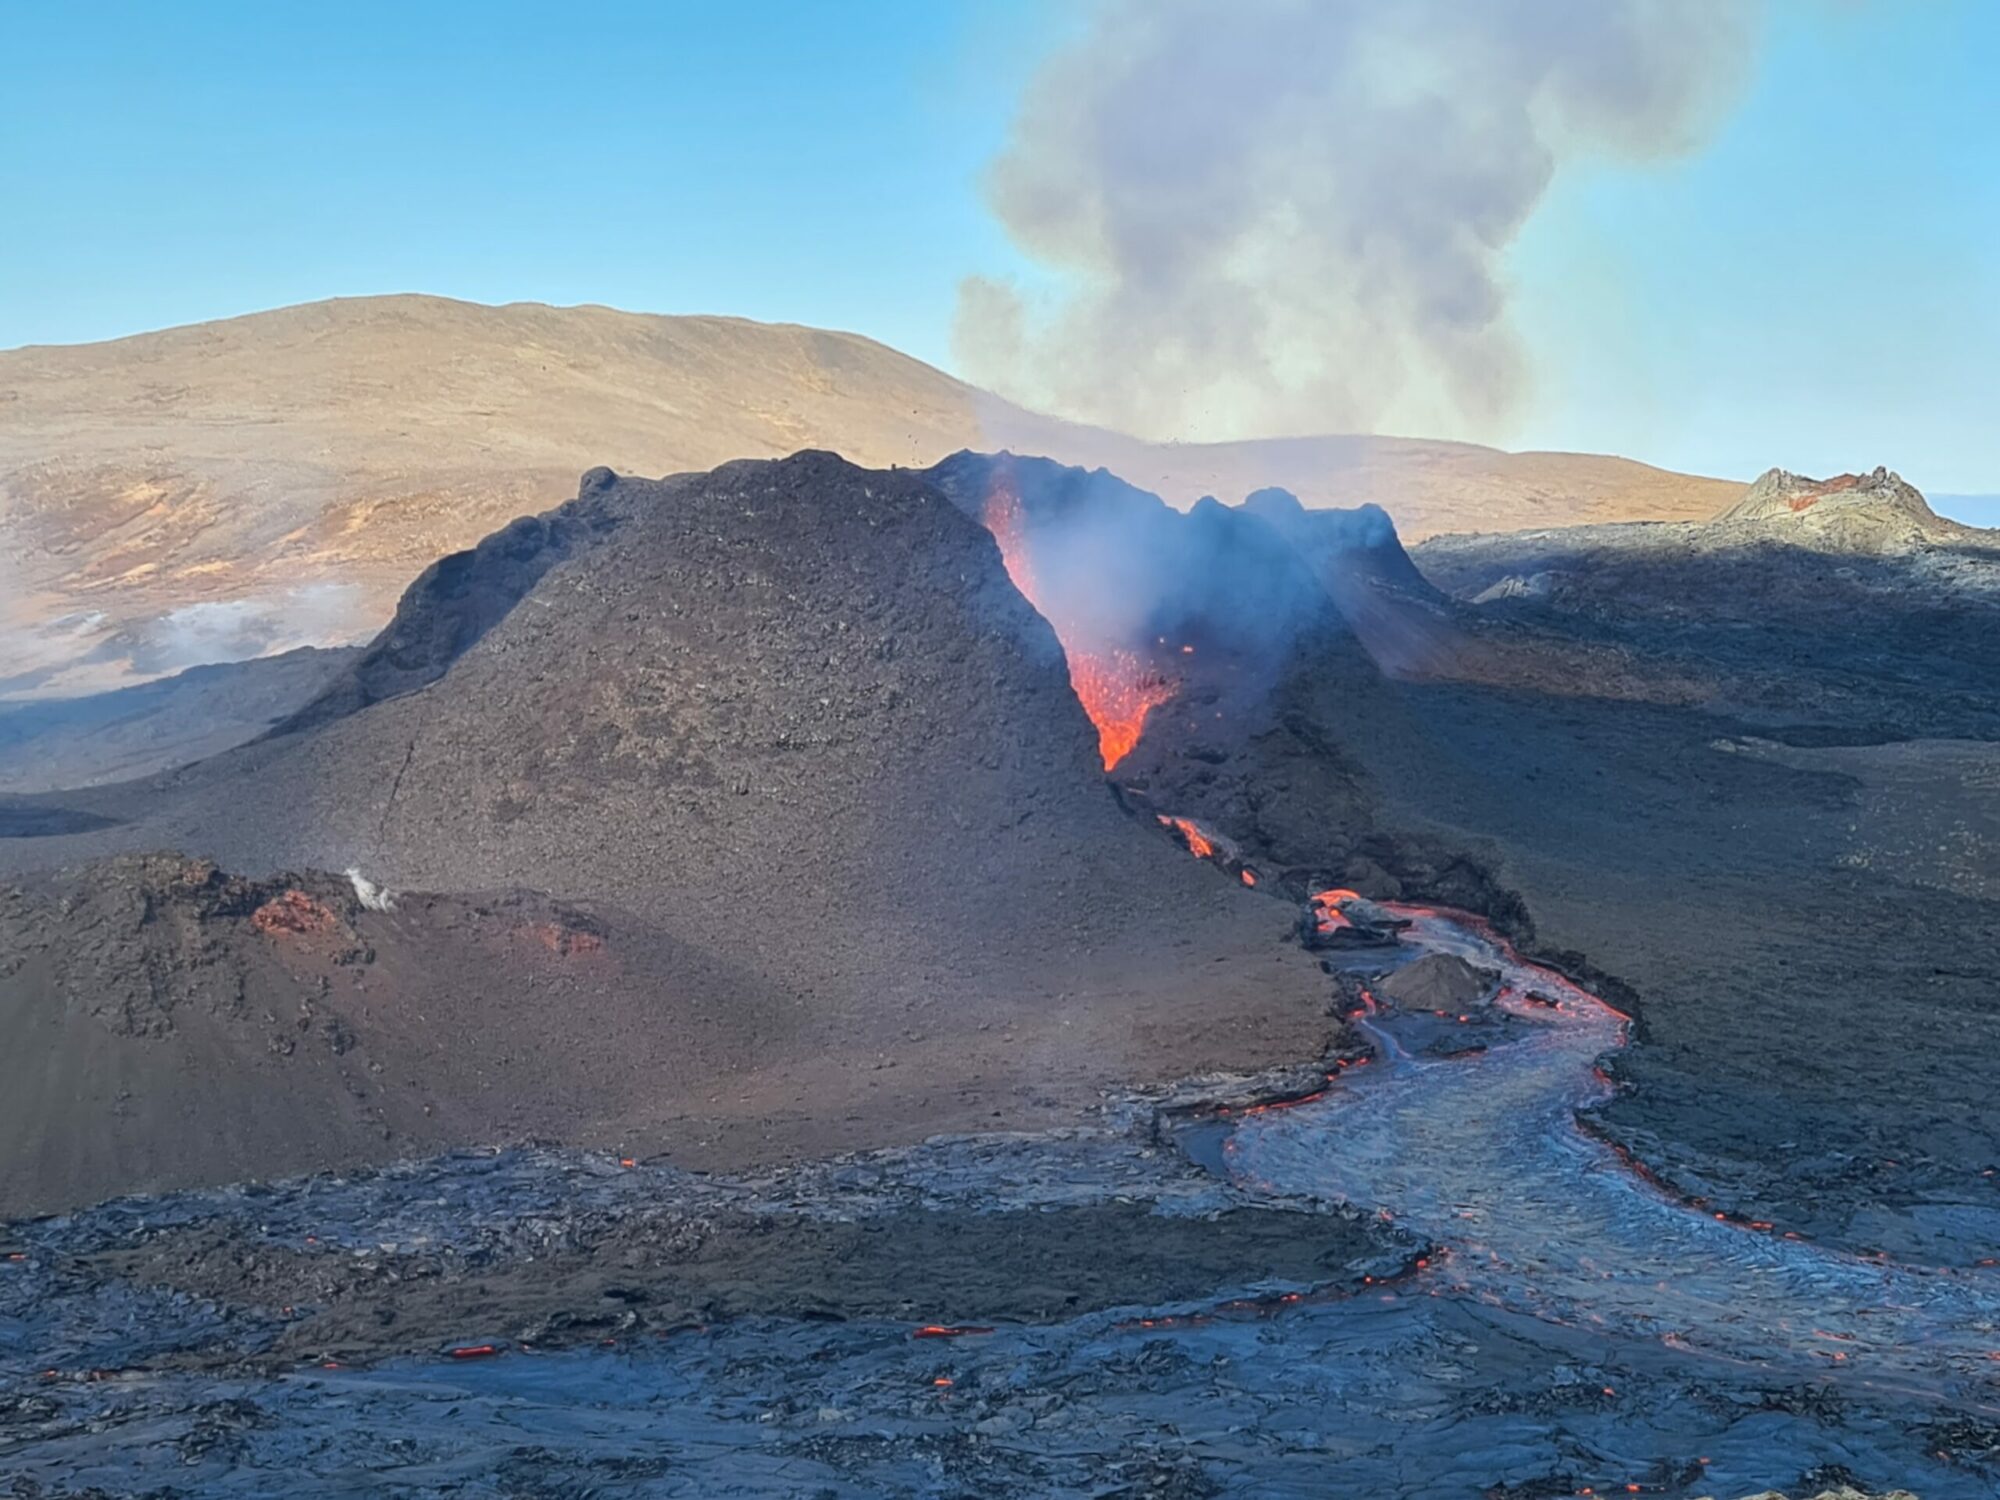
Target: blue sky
{"type": "Point", "coordinates": [1817, 287]}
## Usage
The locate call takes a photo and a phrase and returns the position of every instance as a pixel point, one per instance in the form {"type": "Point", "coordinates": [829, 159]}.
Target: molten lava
{"type": "Point", "coordinates": [1002, 517]}
{"type": "Point", "coordinates": [1117, 689]}
{"type": "Point", "coordinates": [1327, 908]}
{"type": "Point", "coordinates": [1197, 841]}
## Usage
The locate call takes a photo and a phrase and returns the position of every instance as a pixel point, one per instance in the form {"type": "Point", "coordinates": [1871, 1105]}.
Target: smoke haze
{"type": "Point", "coordinates": [1272, 217]}
{"type": "Point", "coordinates": [239, 629]}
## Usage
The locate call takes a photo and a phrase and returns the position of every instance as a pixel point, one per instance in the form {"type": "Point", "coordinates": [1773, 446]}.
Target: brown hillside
{"type": "Point", "coordinates": [234, 488]}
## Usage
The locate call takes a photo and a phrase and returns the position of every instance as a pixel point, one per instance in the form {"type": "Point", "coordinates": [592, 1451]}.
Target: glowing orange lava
{"type": "Point", "coordinates": [1002, 517]}
{"type": "Point", "coordinates": [1197, 841]}
{"type": "Point", "coordinates": [1117, 689]}
{"type": "Point", "coordinates": [1326, 908]}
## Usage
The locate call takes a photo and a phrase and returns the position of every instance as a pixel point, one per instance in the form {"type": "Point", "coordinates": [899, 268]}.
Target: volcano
{"type": "Point", "coordinates": [814, 764]}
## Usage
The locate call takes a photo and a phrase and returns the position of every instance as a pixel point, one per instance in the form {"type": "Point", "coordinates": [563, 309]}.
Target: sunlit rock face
{"type": "Point", "coordinates": [1873, 512]}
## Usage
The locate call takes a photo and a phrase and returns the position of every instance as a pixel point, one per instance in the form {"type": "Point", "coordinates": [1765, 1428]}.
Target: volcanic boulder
{"type": "Point", "coordinates": [1437, 981]}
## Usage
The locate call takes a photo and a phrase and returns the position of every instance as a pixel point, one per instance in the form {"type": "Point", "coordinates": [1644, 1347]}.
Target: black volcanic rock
{"type": "Point", "coordinates": [1360, 563]}
{"type": "Point", "coordinates": [457, 599]}
{"type": "Point", "coordinates": [1117, 566]}
{"type": "Point", "coordinates": [1361, 541]}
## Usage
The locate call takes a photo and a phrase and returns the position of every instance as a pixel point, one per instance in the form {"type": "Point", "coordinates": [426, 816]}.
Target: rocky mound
{"type": "Point", "coordinates": [1361, 541]}
{"type": "Point", "coordinates": [1437, 981]}
{"type": "Point", "coordinates": [170, 1025]}
{"type": "Point", "coordinates": [798, 725]}
{"type": "Point", "coordinates": [1360, 562]}
{"type": "Point", "coordinates": [1873, 512]}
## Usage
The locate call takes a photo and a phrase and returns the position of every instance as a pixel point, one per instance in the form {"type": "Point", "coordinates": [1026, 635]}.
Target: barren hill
{"type": "Point", "coordinates": [234, 488]}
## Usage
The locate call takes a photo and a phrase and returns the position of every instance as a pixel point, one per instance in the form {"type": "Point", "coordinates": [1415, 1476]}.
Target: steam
{"type": "Point", "coordinates": [1289, 216]}
{"type": "Point", "coordinates": [195, 635]}
{"type": "Point", "coordinates": [1114, 567]}
{"type": "Point", "coordinates": [372, 896]}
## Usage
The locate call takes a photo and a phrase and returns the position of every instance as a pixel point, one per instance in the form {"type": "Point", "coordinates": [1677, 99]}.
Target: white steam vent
{"type": "Point", "coordinates": [369, 894]}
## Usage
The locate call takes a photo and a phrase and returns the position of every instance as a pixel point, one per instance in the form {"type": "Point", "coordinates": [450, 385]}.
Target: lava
{"type": "Point", "coordinates": [1326, 906]}
{"type": "Point", "coordinates": [1116, 688]}
{"type": "Point", "coordinates": [1117, 691]}
{"type": "Point", "coordinates": [1213, 847]}
{"type": "Point", "coordinates": [1002, 517]}
{"type": "Point", "coordinates": [1198, 842]}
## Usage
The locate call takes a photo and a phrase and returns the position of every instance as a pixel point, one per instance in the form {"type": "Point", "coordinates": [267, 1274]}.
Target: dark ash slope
{"type": "Point", "coordinates": [140, 731]}
{"type": "Point", "coordinates": [790, 727]}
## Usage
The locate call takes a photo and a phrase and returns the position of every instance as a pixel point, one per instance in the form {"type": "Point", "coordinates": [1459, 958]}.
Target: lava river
{"type": "Point", "coordinates": [1481, 1154]}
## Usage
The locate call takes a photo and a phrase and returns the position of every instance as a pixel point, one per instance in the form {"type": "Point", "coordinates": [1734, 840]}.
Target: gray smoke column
{"type": "Point", "coordinates": [1287, 216]}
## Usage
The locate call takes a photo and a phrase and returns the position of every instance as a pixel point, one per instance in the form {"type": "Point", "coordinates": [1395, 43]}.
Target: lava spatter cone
{"type": "Point", "coordinates": [812, 781]}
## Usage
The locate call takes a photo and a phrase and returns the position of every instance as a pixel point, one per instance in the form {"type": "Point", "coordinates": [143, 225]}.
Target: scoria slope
{"type": "Point", "coordinates": [815, 768]}
{"type": "Point", "coordinates": [238, 487]}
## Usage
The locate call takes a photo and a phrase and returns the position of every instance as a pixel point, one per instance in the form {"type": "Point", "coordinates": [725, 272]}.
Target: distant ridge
{"type": "Point", "coordinates": [235, 488]}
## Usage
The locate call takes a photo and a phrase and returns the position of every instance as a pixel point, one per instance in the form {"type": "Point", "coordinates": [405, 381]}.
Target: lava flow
{"type": "Point", "coordinates": [1117, 689]}
{"type": "Point", "coordinates": [1198, 843]}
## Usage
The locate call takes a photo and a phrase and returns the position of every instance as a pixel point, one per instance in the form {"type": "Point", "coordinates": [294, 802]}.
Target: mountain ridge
{"type": "Point", "coordinates": [231, 489]}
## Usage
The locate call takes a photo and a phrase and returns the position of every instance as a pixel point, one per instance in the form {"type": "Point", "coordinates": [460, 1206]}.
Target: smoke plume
{"type": "Point", "coordinates": [1286, 216]}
